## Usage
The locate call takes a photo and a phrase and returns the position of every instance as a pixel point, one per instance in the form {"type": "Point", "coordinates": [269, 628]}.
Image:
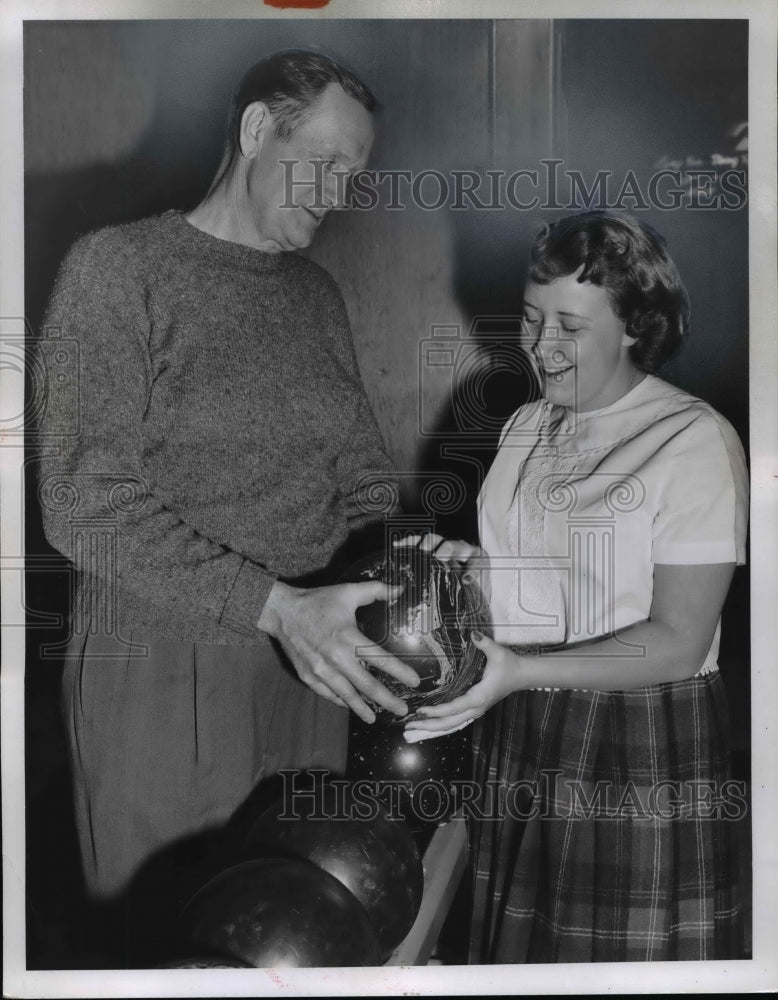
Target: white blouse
{"type": "Point", "coordinates": [577, 509]}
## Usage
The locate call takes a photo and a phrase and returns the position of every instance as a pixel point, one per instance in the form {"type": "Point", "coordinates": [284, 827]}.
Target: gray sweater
{"type": "Point", "coordinates": [223, 435]}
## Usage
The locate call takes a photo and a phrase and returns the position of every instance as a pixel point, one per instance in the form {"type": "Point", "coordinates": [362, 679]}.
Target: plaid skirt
{"type": "Point", "coordinates": [610, 828]}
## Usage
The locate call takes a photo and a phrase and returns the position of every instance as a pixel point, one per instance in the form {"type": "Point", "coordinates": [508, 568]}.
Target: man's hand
{"type": "Point", "coordinates": [317, 629]}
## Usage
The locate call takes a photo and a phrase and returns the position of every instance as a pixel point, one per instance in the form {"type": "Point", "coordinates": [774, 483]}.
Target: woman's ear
{"type": "Point", "coordinates": [628, 339]}
{"type": "Point", "coordinates": [254, 125]}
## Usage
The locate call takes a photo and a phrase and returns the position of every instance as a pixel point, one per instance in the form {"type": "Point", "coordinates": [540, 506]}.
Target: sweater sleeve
{"type": "Point", "coordinates": [92, 479]}
{"type": "Point", "coordinates": [366, 475]}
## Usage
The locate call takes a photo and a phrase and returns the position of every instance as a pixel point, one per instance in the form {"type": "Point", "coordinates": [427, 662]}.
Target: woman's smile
{"type": "Point", "coordinates": [557, 374]}
{"type": "Point", "coordinates": [580, 344]}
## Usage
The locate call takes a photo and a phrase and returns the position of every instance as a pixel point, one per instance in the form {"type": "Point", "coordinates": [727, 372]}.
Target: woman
{"type": "Point", "coordinates": [613, 517]}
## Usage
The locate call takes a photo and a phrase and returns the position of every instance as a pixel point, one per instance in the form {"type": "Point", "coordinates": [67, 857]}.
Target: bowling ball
{"type": "Point", "coordinates": [282, 913]}
{"type": "Point", "coordinates": [416, 780]}
{"type": "Point", "coordinates": [374, 857]}
{"type": "Point", "coordinates": [428, 626]}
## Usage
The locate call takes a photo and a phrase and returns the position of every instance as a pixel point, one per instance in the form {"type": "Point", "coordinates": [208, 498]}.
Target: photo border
{"type": "Point", "coordinates": [759, 973]}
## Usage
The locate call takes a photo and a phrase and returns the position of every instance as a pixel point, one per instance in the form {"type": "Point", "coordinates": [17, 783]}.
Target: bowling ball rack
{"type": "Point", "coordinates": [444, 862]}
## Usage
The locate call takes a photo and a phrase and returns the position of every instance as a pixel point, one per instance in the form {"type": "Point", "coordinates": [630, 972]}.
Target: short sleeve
{"type": "Point", "coordinates": [702, 510]}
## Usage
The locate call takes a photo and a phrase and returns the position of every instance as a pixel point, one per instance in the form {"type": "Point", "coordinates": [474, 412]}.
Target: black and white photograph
{"type": "Point", "coordinates": [389, 474]}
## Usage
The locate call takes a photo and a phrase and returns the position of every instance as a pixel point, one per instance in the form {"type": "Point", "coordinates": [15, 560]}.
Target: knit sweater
{"type": "Point", "coordinates": [224, 433]}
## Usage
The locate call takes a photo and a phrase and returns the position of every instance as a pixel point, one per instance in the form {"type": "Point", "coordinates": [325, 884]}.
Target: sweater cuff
{"type": "Point", "coordinates": [250, 590]}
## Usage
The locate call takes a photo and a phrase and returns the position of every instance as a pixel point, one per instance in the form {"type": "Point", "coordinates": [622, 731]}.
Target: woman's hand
{"type": "Point", "coordinates": [501, 677]}
{"type": "Point", "coordinates": [471, 557]}
{"type": "Point", "coordinates": [445, 549]}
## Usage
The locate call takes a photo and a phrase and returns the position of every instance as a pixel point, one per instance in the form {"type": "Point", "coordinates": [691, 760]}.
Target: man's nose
{"type": "Point", "coordinates": [334, 190]}
{"type": "Point", "coordinates": [329, 194]}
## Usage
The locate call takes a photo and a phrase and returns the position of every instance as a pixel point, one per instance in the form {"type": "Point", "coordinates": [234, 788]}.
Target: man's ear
{"type": "Point", "coordinates": [254, 126]}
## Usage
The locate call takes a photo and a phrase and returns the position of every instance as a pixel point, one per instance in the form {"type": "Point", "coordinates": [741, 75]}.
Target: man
{"type": "Point", "coordinates": [223, 443]}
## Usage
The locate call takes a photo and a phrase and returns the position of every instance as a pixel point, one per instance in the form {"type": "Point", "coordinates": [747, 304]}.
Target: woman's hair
{"type": "Point", "coordinates": [629, 260]}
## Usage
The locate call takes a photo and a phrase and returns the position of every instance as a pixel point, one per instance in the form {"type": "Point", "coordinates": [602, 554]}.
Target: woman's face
{"type": "Point", "coordinates": [579, 343]}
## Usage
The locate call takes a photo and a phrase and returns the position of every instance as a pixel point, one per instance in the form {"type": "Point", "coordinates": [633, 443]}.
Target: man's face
{"type": "Point", "coordinates": [335, 139]}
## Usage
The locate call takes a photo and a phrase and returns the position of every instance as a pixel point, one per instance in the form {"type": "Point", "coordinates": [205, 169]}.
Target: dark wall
{"type": "Point", "coordinates": [643, 95]}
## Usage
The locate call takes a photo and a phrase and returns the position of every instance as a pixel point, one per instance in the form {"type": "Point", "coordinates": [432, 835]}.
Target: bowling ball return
{"type": "Point", "coordinates": [280, 913]}
{"type": "Point", "coordinates": [444, 863]}
{"type": "Point", "coordinates": [377, 903]}
{"type": "Point", "coordinates": [278, 906]}
{"type": "Point", "coordinates": [374, 856]}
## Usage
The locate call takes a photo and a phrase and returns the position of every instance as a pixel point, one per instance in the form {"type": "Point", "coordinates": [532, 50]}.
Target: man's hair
{"type": "Point", "coordinates": [289, 83]}
{"type": "Point", "coordinates": [629, 260]}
